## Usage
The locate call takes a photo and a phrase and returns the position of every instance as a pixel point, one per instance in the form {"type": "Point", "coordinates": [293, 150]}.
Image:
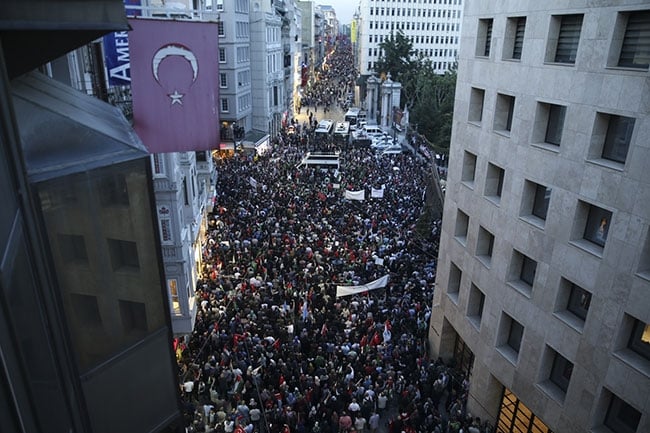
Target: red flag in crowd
{"type": "Point", "coordinates": [174, 83]}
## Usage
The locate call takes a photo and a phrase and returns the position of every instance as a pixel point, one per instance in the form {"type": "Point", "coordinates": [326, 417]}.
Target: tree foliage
{"type": "Point", "coordinates": [397, 58]}
{"type": "Point", "coordinates": [428, 96]}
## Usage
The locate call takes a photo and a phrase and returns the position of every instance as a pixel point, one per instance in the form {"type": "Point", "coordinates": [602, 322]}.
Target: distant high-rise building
{"type": "Point", "coordinates": [544, 264]}
{"type": "Point", "coordinates": [433, 28]}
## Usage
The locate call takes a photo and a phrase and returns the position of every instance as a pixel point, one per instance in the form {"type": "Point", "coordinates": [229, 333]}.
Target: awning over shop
{"type": "Point", "coordinates": [255, 139]}
{"type": "Point", "coordinates": [64, 131]}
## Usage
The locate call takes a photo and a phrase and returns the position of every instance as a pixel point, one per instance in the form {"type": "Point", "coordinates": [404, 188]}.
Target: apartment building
{"type": "Point", "coordinates": [544, 264]}
{"type": "Point", "coordinates": [432, 26]}
{"type": "Point", "coordinates": [83, 305]}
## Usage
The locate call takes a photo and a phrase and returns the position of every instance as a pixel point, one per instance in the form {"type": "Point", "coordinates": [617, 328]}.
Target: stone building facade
{"type": "Point", "coordinates": [544, 266]}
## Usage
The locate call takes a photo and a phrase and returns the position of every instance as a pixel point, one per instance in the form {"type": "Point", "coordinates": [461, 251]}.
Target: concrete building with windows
{"type": "Point", "coordinates": [81, 294]}
{"type": "Point", "coordinates": [184, 184]}
{"type": "Point", "coordinates": [544, 264]}
{"type": "Point", "coordinates": [433, 27]}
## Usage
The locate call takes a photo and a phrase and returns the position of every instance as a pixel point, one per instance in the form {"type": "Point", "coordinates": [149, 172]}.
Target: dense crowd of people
{"type": "Point", "coordinates": [274, 348]}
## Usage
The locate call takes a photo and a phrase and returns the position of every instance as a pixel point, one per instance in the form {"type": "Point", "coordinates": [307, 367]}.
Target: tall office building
{"type": "Point", "coordinates": [433, 27]}
{"type": "Point", "coordinates": [544, 266]}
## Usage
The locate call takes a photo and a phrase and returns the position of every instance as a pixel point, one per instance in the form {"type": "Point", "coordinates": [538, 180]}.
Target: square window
{"type": "Point", "coordinates": [462, 223]}
{"type": "Point", "coordinates": [528, 270]}
{"type": "Point", "coordinates": [509, 337]}
{"type": "Point", "coordinates": [561, 372]}
{"type": "Point", "coordinates": [476, 101]}
{"type": "Point", "coordinates": [621, 417]}
{"type": "Point", "coordinates": [555, 124]}
{"type": "Point", "coordinates": [484, 246]}
{"type": "Point", "coordinates": [541, 201]}
{"type": "Point", "coordinates": [564, 36]}
{"type": "Point", "coordinates": [515, 335]}
{"type": "Point", "coordinates": [549, 123]}
{"type": "Point", "coordinates": [521, 273]}
{"type": "Point", "coordinates": [535, 202]}
{"type": "Point", "coordinates": [513, 42]}
{"type": "Point", "coordinates": [484, 37]}
{"type": "Point", "coordinates": [133, 315]}
{"type": "Point", "coordinates": [86, 310]}
{"type": "Point", "coordinates": [597, 226]}
{"type": "Point", "coordinates": [453, 285]}
{"type": "Point", "coordinates": [469, 168]}
{"type": "Point", "coordinates": [504, 112]}
{"type": "Point", "coordinates": [475, 306]}
{"type": "Point", "coordinates": [640, 339]}
{"type": "Point", "coordinates": [113, 190]}
{"type": "Point", "coordinates": [72, 248]}
{"type": "Point", "coordinates": [635, 46]}
{"type": "Point", "coordinates": [124, 254]}
{"type": "Point", "coordinates": [494, 182]}
{"type": "Point", "coordinates": [618, 138]}
{"type": "Point", "coordinates": [579, 301]}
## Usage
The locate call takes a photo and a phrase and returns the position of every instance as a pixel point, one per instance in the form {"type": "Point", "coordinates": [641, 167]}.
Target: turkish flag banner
{"type": "Point", "coordinates": [174, 83]}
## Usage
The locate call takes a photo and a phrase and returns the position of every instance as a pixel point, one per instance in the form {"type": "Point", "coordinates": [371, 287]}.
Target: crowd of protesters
{"type": "Point", "coordinates": [274, 348]}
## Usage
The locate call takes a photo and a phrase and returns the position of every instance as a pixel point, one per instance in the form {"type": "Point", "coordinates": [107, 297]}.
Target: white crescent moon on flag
{"type": "Point", "coordinates": [175, 50]}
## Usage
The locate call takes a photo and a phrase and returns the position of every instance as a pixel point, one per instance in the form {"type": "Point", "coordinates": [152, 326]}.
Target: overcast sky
{"type": "Point", "coordinates": [344, 9]}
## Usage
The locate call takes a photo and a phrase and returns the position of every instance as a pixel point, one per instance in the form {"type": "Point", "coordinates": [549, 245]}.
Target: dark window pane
{"type": "Point", "coordinates": [528, 269]}
{"type": "Point", "coordinates": [134, 316]}
{"type": "Point", "coordinates": [511, 111]}
{"type": "Point", "coordinates": [514, 337]}
{"type": "Point", "coordinates": [597, 226]}
{"type": "Point", "coordinates": [519, 38]}
{"type": "Point", "coordinates": [488, 38]}
{"type": "Point", "coordinates": [635, 52]}
{"type": "Point", "coordinates": [621, 417]}
{"type": "Point", "coordinates": [124, 254]}
{"type": "Point", "coordinates": [568, 38]}
{"type": "Point", "coordinates": [640, 339]}
{"type": "Point", "coordinates": [86, 310]}
{"type": "Point", "coordinates": [72, 248]}
{"type": "Point", "coordinates": [113, 190]}
{"type": "Point", "coordinates": [619, 135]}
{"type": "Point", "coordinates": [540, 204]}
{"type": "Point", "coordinates": [555, 124]}
{"type": "Point", "coordinates": [579, 301]}
{"type": "Point", "coordinates": [561, 372]}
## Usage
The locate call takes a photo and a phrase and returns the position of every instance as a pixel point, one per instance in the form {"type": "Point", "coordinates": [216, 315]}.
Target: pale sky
{"type": "Point", "coordinates": [344, 9]}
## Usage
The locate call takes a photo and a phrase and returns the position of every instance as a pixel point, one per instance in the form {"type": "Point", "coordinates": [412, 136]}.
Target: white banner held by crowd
{"type": "Point", "coordinates": [351, 290]}
{"type": "Point", "coordinates": [377, 193]}
{"type": "Point", "coordinates": [252, 181]}
{"type": "Point", "coordinates": [355, 195]}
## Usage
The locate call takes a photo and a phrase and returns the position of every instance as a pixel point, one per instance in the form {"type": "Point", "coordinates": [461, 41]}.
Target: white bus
{"type": "Point", "coordinates": [324, 127]}
{"type": "Point", "coordinates": [342, 130]}
{"type": "Point", "coordinates": [354, 115]}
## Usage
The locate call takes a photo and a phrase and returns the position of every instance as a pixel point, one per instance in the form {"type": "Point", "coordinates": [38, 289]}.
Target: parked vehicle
{"type": "Point", "coordinates": [324, 128]}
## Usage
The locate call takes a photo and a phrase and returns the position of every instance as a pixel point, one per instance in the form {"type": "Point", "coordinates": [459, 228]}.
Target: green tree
{"type": "Point", "coordinates": [397, 57]}
{"type": "Point", "coordinates": [433, 108]}
{"type": "Point", "coordinates": [428, 96]}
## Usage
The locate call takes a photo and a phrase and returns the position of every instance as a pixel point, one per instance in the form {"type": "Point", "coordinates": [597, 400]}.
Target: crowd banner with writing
{"type": "Point", "coordinates": [377, 193]}
{"type": "Point", "coordinates": [351, 290]}
{"type": "Point", "coordinates": [355, 195]}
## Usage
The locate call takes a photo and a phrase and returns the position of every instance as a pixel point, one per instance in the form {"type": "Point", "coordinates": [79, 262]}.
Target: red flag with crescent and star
{"type": "Point", "coordinates": [174, 84]}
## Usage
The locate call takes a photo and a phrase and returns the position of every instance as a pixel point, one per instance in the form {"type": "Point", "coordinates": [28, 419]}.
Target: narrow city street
{"type": "Point", "coordinates": [316, 291]}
